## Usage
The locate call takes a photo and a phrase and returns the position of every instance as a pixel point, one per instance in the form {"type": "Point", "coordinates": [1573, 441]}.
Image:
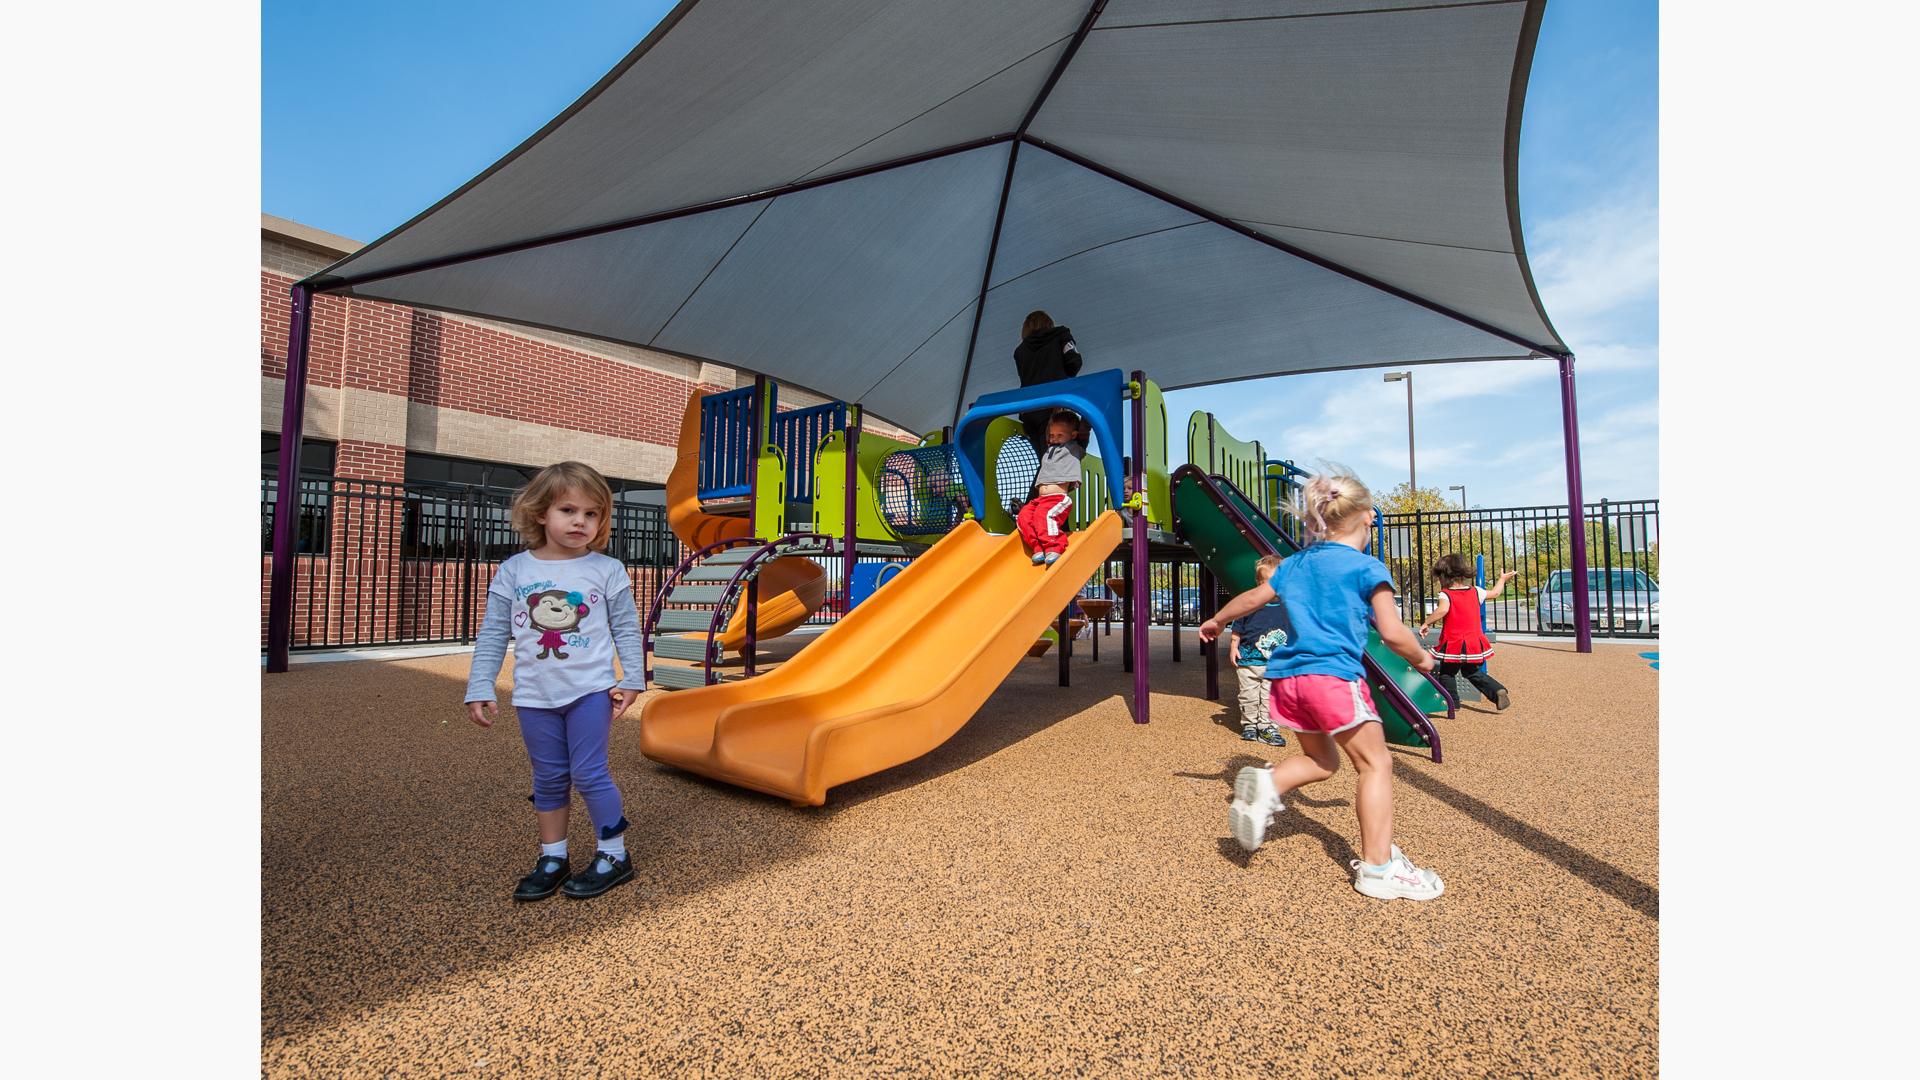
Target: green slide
{"type": "Point", "coordinates": [1230, 534]}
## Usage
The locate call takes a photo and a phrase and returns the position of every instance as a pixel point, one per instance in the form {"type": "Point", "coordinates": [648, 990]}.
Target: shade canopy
{"type": "Point", "coordinates": [866, 197]}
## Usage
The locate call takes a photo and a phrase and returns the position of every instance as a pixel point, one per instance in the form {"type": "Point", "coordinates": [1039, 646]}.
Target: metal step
{"type": "Point", "coordinates": [672, 622]}
{"type": "Point", "coordinates": [711, 571]}
{"type": "Point", "coordinates": [697, 594]}
{"type": "Point", "coordinates": [680, 648]}
{"type": "Point", "coordinates": [678, 678]}
{"type": "Point", "coordinates": [733, 556]}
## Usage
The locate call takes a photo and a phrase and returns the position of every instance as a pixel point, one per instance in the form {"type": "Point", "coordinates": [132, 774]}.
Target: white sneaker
{"type": "Point", "coordinates": [1039, 557]}
{"type": "Point", "coordinates": [1402, 880]}
{"type": "Point", "coordinates": [1255, 801]}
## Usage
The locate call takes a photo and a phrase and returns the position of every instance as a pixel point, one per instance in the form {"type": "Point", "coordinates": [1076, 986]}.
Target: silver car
{"type": "Point", "coordinates": [1635, 607]}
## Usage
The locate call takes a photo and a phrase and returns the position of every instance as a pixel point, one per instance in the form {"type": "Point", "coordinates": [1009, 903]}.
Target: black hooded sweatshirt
{"type": "Point", "coordinates": [1046, 355]}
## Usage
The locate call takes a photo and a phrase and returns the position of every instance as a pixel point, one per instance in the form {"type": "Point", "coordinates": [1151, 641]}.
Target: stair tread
{"type": "Point", "coordinates": [688, 621]}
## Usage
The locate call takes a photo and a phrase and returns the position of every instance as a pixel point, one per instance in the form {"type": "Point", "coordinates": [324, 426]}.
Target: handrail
{"type": "Point", "coordinates": [720, 609]}
{"type": "Point", "coordinates": [1212, 486]}
{"type": "Point", "coordinates": [649, 629]}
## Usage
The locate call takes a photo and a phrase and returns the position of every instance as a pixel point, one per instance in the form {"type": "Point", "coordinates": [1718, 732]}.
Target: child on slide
{"type": "Point", "coordinates": [1464, 647]}
{"type": "Point", "coordinates": [564, 607]}
{"type": "Point", "coordinates": [1045, 520]}
{"type": "Point", "coordinates": [1330, 592]}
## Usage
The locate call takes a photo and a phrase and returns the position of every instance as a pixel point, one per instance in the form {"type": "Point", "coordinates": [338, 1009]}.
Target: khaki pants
{"type": "Point", "coordinates": [1255, 708]}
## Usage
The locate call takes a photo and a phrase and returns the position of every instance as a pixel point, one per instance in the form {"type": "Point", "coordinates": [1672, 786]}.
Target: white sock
{"type": "Point", "coordinates": [616, 847]}
{"type": "Point", "coordinates": [557, 851]}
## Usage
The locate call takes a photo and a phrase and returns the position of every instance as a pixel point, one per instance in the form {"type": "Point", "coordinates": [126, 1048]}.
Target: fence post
{"type": "Point", "coordinates": [1606, 564]}
{"type": "Point", "coordinates": [466, 574]}
{"type": "Point", "coordinates": [1419, 565]}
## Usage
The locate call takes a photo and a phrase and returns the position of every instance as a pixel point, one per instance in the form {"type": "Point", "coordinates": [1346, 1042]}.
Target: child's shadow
{"type": "Point", "coordinates": [1288, 822]}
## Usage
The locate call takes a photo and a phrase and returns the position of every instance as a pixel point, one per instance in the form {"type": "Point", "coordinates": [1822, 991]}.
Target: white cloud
{"type": "Point", "coordinates": [1593, 263]}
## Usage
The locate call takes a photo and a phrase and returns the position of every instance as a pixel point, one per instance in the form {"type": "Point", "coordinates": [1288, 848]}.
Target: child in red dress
{"type": "Point", "coordinates": [1464, 647]}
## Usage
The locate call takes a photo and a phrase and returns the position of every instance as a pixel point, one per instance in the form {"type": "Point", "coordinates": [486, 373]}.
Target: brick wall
{"type": "Point", "coordinates": [384, 379]}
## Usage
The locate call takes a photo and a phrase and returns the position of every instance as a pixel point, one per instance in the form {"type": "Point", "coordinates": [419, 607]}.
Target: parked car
{"type": "Point", "coordinates": [1636, 600]}
{"type": "Point", "coordinates": [1189, 606]}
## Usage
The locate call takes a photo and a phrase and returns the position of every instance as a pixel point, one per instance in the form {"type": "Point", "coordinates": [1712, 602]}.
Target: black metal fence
{"type": "Point", "coordinates": [385, 563]}
{"type": "Point", "coordinates": [1535, 543]}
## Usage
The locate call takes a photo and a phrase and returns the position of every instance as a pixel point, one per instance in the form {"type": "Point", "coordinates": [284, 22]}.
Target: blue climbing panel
{"type": "Point", "coordinates": [726, 443]}
{"type": "Point", "coordinates": [1100, 398]}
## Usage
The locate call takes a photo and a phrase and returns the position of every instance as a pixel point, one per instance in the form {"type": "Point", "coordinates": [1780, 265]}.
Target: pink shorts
{"type": "Point", "coordinates": [1322, 704]}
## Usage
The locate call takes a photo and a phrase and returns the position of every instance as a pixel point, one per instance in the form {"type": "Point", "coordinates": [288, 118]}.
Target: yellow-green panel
{"type": "Point", "coordinates": [1159, 500]}
{"type": "Point", "coordinates": [1210, 447]}
{"type": "Point", "coordinates": [1093, 498]}
{"type": "Point", "coordinates": [1197, 439]}
{"type": "Point", "coordinates": [770, 493]}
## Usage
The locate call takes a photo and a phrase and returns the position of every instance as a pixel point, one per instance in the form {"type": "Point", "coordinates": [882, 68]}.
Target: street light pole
{"type": "Point", "coordinates": [1413, 480]}
{"type": "Point", "coordinates": [1462, 489]}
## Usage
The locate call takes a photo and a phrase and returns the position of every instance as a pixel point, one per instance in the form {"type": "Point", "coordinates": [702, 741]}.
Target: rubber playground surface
{"type": "Point", "coordinates": [1053, 890]}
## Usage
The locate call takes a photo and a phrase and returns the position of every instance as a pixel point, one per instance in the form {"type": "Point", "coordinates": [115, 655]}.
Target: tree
{"type": "Point", "coordinates": [1402, 500]}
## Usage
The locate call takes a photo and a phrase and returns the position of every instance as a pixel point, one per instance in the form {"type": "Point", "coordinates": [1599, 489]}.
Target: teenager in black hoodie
{"type": "Point", "coordinates": [1046, 353]}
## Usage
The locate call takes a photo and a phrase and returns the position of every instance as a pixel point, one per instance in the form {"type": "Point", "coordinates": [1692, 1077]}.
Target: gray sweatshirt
{"type": "Point", "coordinates": [1060, 464]}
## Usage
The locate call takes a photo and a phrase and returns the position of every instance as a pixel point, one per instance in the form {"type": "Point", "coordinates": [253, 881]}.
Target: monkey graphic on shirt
{"type": "Point", "coordinates": [553, 613]}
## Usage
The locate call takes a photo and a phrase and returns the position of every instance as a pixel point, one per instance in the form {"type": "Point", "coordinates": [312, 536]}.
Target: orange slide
{"type": "Point", "coordinates": [892, 680]}
{"type": "Point", "coordinates": [791, 589]}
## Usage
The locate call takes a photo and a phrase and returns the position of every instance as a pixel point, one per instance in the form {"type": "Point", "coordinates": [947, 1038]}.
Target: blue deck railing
{"type": "Point", "coordinates": [798, 435]}
{"type": "Point", "coordinates": [726, 443]}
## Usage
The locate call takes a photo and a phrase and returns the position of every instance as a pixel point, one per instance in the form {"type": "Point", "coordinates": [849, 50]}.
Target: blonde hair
{"type": "Point", "coordinates": [1330, 497]}
{"type": "Point", "coordinates": [532, 502]}
{"type": "Point", "coordinates": [1266, 566]}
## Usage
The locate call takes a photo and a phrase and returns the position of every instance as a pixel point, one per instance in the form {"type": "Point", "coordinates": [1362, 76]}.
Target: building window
{"type": "Point", "coordinates": [314, 498]}
{"type": "Point", "coordinates": [450, 498]}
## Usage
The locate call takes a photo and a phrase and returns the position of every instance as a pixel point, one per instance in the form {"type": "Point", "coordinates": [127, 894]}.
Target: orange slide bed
{"type": "Point", "coordinates": [791, 589]}
{"type": "Point", "coordinates": [892, 680]}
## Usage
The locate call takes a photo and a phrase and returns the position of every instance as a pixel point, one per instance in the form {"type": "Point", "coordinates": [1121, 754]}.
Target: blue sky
{"type": "Point", "coordinates": [370, 112]}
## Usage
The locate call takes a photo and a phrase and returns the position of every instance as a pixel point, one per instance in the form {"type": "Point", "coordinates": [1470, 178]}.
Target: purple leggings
{"type": "Point", "coordinates": [568, 748]}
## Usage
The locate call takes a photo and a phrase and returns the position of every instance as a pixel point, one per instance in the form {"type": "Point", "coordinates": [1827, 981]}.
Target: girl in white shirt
{"type": "Point", "coordinates": [565, 608]}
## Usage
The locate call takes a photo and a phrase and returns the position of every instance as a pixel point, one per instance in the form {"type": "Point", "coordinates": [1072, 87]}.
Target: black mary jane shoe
{"type": "Point", "coordinates": [548, 875]}
{"type": "Point", "coordinates": [602, 874]}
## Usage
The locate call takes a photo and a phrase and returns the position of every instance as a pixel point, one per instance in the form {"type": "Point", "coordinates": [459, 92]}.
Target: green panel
{"type": "Point", "coordinates": [1159, 500]}
{"type": "Point", "coordinates": [770, 493]}
{"type": "Point", "coordinates": [1232, 558]}
{"type": "Point", "coordinates": [1210, 447]}
{"type": "Point", "coordinates": [1093, 498]}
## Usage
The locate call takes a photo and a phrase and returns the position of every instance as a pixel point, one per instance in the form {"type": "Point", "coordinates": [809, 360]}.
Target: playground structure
{"type": "Point", "coordinates": [871, 234]}
{"type": "Point", "coordinates": [961, 603]}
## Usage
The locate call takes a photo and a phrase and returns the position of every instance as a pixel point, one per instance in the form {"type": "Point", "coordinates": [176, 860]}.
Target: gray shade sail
{"type": "Point", "coordinates": [865, 197]}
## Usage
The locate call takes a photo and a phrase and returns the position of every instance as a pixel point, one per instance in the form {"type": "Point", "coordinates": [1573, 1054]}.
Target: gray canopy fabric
{"type": "Point", "coordinates": [866, 197]}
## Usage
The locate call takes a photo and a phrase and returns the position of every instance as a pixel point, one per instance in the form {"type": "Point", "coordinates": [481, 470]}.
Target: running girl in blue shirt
{"type": "Point", "coordinates": [1330, 592]}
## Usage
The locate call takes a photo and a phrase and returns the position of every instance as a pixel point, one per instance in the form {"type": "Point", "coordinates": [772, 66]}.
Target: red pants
{"type": "Point", "coordinates": [1043, 523]}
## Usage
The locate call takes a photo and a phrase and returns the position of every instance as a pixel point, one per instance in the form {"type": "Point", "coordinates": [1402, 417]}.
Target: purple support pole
{"type": "Point", "coordinates": [759, 439]}
{"type": "Point", "coordinates": [1126, 616]}
{"type": "Point", "coordinates": [850, 544]}
{"type": "Point", "coordinates": [1209, 604]}
{"type": "Point", "coordinates": [1142, 579]}
{"type": "Point", "coordinates": [753, 622]}
{"type": "Point", "coordinates": [1576, 508]}
{"type": "Point", "coordinates": [286, 498]}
